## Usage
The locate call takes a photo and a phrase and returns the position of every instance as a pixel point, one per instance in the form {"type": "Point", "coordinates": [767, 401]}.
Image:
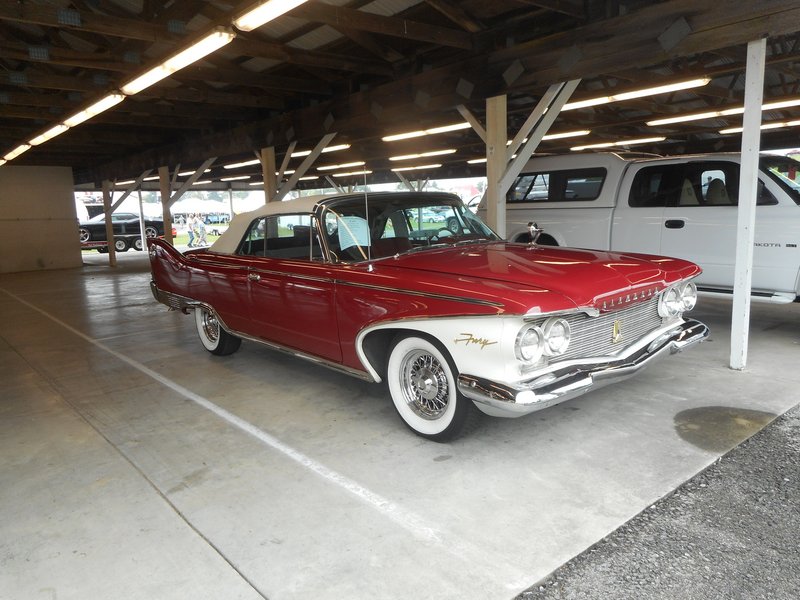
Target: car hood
{"type": "Point", "coordinates": [584, 277]}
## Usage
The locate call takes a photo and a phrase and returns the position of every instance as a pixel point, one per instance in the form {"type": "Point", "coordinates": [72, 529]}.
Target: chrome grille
{"type": "Point", "coordinates": [591, 336]}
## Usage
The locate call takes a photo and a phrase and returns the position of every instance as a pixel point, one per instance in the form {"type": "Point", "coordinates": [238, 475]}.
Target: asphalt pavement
{"type": "Point", "coordinates": [730, 532]}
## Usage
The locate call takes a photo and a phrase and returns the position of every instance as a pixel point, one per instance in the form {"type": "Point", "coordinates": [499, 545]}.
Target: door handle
{"type": "Point", "coordinates": [254, 277]}
{"type": "Point", "coordinates": [674, 223]}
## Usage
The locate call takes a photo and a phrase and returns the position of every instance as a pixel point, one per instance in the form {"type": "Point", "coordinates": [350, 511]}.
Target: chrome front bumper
{"type": "Point", "coordinates": [501, 399]}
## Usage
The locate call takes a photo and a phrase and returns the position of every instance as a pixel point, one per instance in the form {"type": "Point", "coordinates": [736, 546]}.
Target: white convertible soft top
{"type": "Point", "coordinates": [229, 240]}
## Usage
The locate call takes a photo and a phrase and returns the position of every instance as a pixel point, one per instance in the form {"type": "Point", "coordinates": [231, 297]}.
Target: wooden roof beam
{"type": "Point", "coordinates": [392, 26]}
{"type": "Point", "coordinates": [68, 19]}
{"type": "Point", "coordinates": [457, 15]}
{"type": "Point", "coordinates": [340, 62]}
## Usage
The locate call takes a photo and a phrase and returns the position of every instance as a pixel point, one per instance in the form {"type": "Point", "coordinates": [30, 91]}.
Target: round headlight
{"type": "Point", "coordinates": [530, 344]}
{"type": "Point", "coordinates": [556, 336]}
{"type": "Point", "coordinates": [689, 295]}
{"type": "Point", "coordinates": [670, 304]}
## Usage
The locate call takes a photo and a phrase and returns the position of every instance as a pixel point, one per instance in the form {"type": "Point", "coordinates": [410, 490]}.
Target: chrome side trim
{"type": "Point", "coordinates": [542, 391]}
{"type": "Point", "coordinates": [383, 288]}
{"type": "Point", "coordinates": [184, 304]}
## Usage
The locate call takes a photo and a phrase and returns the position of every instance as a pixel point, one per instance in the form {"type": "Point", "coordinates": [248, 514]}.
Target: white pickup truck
{"type": "Point", "coordinates": [683, 206]}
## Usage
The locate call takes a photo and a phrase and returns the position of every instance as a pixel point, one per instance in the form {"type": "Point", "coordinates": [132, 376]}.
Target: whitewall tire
{"type": "Point", "coordinates": [213, 337]}
{"type": "Point", "coordinates": [422, 383]}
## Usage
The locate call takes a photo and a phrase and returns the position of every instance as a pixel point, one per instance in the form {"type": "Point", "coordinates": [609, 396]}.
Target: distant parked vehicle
{"type": "Point", "coordinates": [127, 232]}
{"type": "Point", "coordinates": [216, 219]}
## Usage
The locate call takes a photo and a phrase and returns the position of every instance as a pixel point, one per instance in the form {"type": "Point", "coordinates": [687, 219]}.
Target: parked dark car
{"type": "Point", "coordinates": [127, 232]}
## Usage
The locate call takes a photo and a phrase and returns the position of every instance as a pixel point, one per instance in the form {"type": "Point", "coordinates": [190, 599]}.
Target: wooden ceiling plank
{"type": "Point", "coordinates": [68, 58]}
{"type": "Point", "coordinates": [391, 26]}
{"type": "Point", "coordinates": [235, 75]}
{"type": "Point", "coordinates": [457, 15]}
{"type": "Point", "coordinates": [573, 9]}
{"type": "Point", "coordinates": [212, 97]}
{"type": "Point", "coordinates": [48, 16]}
{"type": "Point", "coordinates": [369, 43]}
{"type": "Point", "coordinates": [257, 48]}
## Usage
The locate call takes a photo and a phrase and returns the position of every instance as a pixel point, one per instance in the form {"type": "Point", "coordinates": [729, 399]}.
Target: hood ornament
{"type": "Point", "coordinates": [534, 231]}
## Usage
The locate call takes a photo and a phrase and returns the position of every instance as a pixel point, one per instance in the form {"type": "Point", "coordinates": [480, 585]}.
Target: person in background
{"type": "Point", "coordinates": [200, 231]}
{"type": "Point", "coordinates": [190, 229]}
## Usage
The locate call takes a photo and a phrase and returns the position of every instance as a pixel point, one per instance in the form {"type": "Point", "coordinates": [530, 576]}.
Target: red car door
{"type": "Point", "coordinates": [292, 303]}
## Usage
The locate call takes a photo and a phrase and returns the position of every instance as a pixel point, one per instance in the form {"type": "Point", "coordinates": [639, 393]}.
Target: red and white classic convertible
{"type": "Point", "coordinates": [414, 289]}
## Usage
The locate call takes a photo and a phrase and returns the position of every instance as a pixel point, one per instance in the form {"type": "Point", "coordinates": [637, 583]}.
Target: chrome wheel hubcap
{"type": "Point", "coordinates": [424, 384]}
{"type": "Point", "coordinates": [210, 326]}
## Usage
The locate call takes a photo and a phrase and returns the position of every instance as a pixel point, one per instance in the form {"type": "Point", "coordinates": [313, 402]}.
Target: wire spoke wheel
{"type": "Point", "coordinates": [422, 383]}
{"type": "Point", "coordinates": [212, 335]}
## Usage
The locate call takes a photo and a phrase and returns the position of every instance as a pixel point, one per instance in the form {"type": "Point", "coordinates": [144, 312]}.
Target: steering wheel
{"type": "Point", "coordinates": [441, 232]}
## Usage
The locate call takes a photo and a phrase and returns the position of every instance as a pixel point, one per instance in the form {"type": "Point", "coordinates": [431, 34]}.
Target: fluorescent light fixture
{"type": "Point", "coordinates": [309, 178]}
{"type": "Point", "coordinates": [662, 89]}
{"type": "Point", "coordinates": [265, 12]}
{"type": "Point", "coordinates": [651, 91]}
{"type": "Point", "coordinates": [301, 153]}
{"type": "Point", "coordinates": [237, 178]}
{"type": "Point", "coordinates": [17, 151]}
{"type": "Point", "coordinates": [200, 49]}
{"type": "Point", "coordinates": [423, 154]}
{"type": "Point", "coordinates": [773, 125]}
{"type": "Point", "coordinates": [48, 135]}
{"type": "Point", "coordinates": [94, 110]}
{"type": "Point", "coordinates": [734, 110]}
{"type": "Point", "coordinates": [151, 178]}
{"type": "Point", "coordinates": [476, 161]}
{"type": "Point", "coordinates": [351, 173]}
{"type": "Point", "coordinates": [781, 104]}
{"type": "Point", "coordinates": [202, 182]}
{"type": "Point", "coordinates": [422, 132]}
{"type": "Point", "coordinates": [600, 145]}
{"type": "Point", "coordinates": [649, 140]}
{"type": "Point", "coordinates": [685, 118]}
{"type": "Point", "coordinates": [418, 167]}
{"type": "Point", "coordinates": [586, 103]}
{"type": "Point", "coordinates": [239, 165]}
{"type": "Point", "coordinates": [566, 134]}
{"type": "Point", "coordinates": [357, 163]}
{"type": "Point", "coordinates": [189, 173]}
{"type": "Point", "coordinates": [128, 182]}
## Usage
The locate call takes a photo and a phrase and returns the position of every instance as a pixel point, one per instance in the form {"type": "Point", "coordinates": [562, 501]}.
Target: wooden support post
{"type": "Point", "coordinates": [496, 139]}
{"type": "Point", "coordinates": [112, 253]}
{"type": "Point", "coordinates": [748, 187]}
{"type": "Point", "coordinates": [267, 158]}
{"type": "Point", "coordinates": [164, 184]}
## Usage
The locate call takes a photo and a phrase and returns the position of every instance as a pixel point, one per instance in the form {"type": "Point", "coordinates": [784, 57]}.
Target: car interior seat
{"type": "Point", "coordinates": [717, 195]}
{"type": "Point", "coordinates": [688, 195]}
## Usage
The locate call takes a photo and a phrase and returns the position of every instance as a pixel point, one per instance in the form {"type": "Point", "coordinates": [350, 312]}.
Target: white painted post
{"type": "Point", "coordinates": [748, 185]}
{"type": "Point", "coordinates": [496, 162]}
{"type": "Point", "coordinates": [142, 232]}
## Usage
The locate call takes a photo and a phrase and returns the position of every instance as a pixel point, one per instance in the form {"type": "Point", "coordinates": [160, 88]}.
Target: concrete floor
{"type": "Point", "coordinates": [133, 464]}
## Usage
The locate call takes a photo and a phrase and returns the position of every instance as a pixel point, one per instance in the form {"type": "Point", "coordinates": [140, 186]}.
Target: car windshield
{"type": "Point", "coordinates": [785, 172]}
{"type": "Point", "coordinates": [359, 229]}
